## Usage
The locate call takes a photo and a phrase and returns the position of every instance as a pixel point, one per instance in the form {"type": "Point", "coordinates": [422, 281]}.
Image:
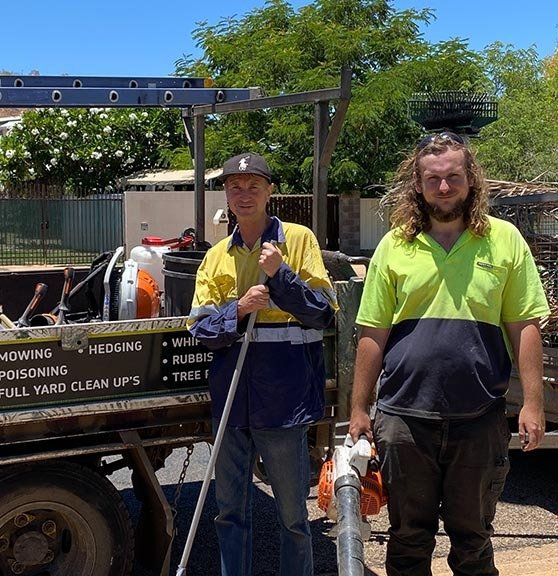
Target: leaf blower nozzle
{"type": "Point", "coordinates": [350, 488]}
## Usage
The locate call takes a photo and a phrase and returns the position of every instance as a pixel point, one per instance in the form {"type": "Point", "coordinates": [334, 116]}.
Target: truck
{"type": "Point", "coordinates": [80, 401]}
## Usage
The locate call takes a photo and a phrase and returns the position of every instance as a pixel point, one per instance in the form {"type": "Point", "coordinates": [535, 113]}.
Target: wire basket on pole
{"type": "Point", "coordinates": [460, 111]}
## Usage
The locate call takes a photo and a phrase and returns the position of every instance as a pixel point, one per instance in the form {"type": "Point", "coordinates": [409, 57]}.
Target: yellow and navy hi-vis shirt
{"type": "Point", "coordinates": [283, 379]}
{"type": "Point", "coordinates": [447, 354]}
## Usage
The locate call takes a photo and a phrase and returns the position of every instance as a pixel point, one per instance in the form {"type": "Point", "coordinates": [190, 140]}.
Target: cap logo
{"type": "Point", "coordinates": [243, 163]}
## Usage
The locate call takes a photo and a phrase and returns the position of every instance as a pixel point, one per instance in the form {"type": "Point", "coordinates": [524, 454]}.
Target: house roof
{"type": "Point", "coordinates": [11, 112]}
{"type": "Point", "coordinates": [167, 177]}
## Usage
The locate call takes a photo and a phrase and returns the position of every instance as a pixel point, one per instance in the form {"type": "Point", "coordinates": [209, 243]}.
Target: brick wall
{"type": "Point", "coordinates": [349, 223]}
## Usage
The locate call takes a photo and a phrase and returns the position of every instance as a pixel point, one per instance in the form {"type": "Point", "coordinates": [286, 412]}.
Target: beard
{"type": "Point", "coordinates": [458, 210]}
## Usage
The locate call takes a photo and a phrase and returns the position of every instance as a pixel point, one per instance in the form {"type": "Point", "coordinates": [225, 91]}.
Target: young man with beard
{"type": "Point", "coordinates": [451, 294]}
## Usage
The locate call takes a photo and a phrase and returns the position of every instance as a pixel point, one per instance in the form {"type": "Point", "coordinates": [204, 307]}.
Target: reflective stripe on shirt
{"type": "Point", "coordinates": [292, 334]}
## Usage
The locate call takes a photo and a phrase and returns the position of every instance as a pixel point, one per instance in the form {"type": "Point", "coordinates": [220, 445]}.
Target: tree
{"type": "Point", "coordinates": [283, 50]}
{"type": "Point", "coordinates": [87, 149]}
{"type": "Point", "coordinates": [521, 144]}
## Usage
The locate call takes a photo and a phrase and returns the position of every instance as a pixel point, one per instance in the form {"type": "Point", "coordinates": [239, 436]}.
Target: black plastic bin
{"type": "Point", "coordinates": [179, 270]}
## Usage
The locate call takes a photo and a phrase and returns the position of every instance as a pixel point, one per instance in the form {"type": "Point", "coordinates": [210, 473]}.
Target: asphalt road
{"type": "Point", "coordinates": [526, 525]}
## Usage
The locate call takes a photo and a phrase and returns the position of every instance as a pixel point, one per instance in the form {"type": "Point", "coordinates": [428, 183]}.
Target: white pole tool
{"type": "Point", "coordinates": [218, 439]}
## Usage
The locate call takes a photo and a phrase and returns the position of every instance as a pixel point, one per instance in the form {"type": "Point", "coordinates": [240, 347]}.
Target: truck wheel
{"type": "Point", "coordinates": [62, 519]}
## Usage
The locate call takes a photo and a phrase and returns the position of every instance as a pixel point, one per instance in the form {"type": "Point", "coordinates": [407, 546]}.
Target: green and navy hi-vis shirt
{"type": "Point", "coordinates": [447, 355]}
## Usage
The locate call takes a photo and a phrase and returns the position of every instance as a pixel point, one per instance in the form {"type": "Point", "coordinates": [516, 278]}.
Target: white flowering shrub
{"type": "Point", "coordinates": [88, 148]}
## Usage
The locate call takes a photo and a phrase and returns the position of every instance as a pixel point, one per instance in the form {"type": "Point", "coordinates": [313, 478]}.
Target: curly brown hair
{"type": "Point", "coordinates": [408, 211]}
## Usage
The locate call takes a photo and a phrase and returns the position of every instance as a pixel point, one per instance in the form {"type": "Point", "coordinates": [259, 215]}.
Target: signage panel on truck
{"type": "Point", "coordinates": [104, 362]}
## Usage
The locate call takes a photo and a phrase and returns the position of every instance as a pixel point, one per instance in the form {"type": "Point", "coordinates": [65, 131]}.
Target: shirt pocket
{"type": "Point", "coordinates": [485, 292]}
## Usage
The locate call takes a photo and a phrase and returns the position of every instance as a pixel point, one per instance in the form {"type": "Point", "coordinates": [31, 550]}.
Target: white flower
{"type": "Point", "coordinates": [56, 150]}
{"type": "Point", "coordinates": [133, 116]}
{"type": "Point", "coordinates": [96, 155]}
{"type": "Point", "coordinates": [119, 153]}
{"type": "Point", "coordinates": [107, 129]}
{"type": "Point", "coordinates": [35, 132]}
{"type": "Point", "coordinates": [27, 154]}
{"type": "Point", "coordinates": [167, 134]}
{"type": "Point", "coordinates": [64, 112]}
{"type": "Point", "coordinates": [149, 134]}
{"type": "Point", "coordinates": [54, 161]}
{"type": "Point", "coordinates": [95, 110]}
{"type": "Point", "coordinates": [71, 123]}
{"type": "Point", "coordinates": [74, 156]}
{"type": "Point", "coordinates": [46, 140]}
{"type": "Point", "coordinates": [31, 171]}
{"type": "Point", "coordinates": [104, 115]}
{"type": "Point", "coordinates": [10, 153]}
{"type": "Point", "coordinates": [63, 135]}
{"type": "Point", "coordinates": [144, 114]}
{"type": "Point", "coordinates": [130, 160]}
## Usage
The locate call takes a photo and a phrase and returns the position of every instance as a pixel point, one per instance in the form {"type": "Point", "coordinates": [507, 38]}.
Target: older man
{"type": "Point", "coordinates": [281, 388]}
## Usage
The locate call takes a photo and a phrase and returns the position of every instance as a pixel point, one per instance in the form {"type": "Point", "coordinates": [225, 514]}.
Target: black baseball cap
{"type": "Point", "coordinates": [247, 163]}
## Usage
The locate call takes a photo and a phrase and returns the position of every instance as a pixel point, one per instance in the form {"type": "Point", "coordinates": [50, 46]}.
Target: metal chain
{"type": "Point", "coordinates": [180, 483]}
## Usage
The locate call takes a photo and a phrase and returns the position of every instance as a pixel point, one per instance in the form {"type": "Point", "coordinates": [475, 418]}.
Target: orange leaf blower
{"type": "Point", "coordinates": [372, 496]}
{"type": "Point", "coordinates": [351, 487]}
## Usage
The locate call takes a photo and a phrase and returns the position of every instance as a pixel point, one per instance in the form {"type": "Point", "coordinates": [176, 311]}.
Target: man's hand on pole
{"type": "Point", "coordinates": [256, 298]}
{"type": "Point", "coordinates": [360, 425]}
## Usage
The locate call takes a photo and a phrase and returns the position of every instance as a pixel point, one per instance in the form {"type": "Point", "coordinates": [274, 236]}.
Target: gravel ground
{"type": "Point", "coordinates": [526, 525]}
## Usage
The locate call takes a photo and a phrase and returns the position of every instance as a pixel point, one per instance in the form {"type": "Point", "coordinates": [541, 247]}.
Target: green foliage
{"type": "Point", "coordinates": [521, 144]}
{"type": "Point", "coordinates": [283, 50]}
{"type": "Point", "coordinates": [88, 149]}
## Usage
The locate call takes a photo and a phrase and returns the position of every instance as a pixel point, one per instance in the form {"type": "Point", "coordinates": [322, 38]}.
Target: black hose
{"type": "Point", "coordinates": [350, 548]}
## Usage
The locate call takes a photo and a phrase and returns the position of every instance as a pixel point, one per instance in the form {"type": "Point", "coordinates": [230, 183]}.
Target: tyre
{"type": "Point", "coordinates": [62, 519]}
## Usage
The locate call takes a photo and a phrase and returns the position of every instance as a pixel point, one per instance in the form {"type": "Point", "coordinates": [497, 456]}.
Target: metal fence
{"type": "Point", "coordinates": [298, 208]}
{"type": "Point", "coordinates": [45, 225]}
{"type": "Point", "coordinates": [538, 222]}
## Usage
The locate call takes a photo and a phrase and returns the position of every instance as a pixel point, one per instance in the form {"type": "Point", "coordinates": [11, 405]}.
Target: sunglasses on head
{"type": "Point", "coordinates": [441, 137]}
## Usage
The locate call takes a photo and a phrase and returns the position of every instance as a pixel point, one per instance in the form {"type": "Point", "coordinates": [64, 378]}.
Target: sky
{"type": "Point", "coordinates": [135, 38]}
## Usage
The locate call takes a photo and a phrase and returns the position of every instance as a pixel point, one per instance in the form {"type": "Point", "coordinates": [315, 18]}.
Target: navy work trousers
{"type": "Point", "coordinates": [449, 469]}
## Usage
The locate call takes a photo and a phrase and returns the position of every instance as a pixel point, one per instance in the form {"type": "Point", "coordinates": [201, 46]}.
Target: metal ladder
{"type": "Point", "coordinates": [101, 91]}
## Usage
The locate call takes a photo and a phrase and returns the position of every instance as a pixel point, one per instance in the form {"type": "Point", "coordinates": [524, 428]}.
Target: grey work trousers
{"type": "Point", "coordinates": [453, 469]}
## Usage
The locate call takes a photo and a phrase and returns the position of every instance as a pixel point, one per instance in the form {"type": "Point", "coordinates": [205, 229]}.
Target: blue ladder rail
{"type": "Point", "coordinates": [13, 81]}
{"type": "Point", "coordinates": [40, 97]}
